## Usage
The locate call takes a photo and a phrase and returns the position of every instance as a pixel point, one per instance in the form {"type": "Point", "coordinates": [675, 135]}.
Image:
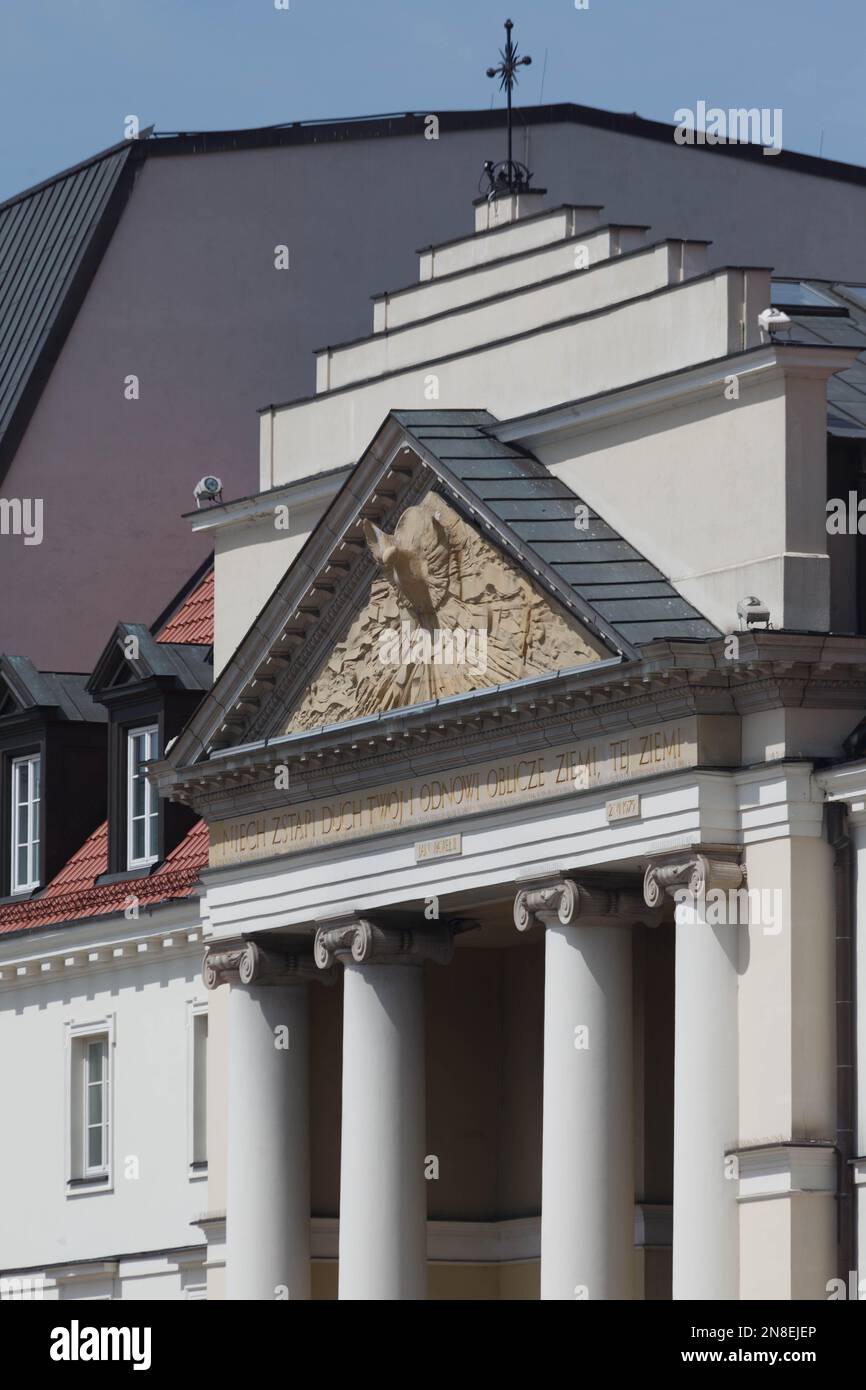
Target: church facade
{"type": "Point", "coordinates": [532, 779]}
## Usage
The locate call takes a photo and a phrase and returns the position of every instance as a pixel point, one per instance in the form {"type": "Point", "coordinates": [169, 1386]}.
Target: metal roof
{"type": "Point", "coordinates": [50, 241]}
{"type": "Point", "coordinates": [62, 690]}
{"type": "Point", "coordinates": [826, 311]}
{"type": "Point", "coordinates": [188, 665]}
{"type": "Point", "coordinates": [609, 577]}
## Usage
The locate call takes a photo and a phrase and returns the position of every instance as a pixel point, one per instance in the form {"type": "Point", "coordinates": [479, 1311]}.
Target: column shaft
{"type": "Point", "coordinates": [705, 1233]}
{"type": "Point", "coordinates": [268, 1207]}
{"type": "Point", "coordinates": [587, 1196]}
{"type": "Point", "coordinates": [858, 835]}
{"type": "Point", "coordinates": [383, 1219]}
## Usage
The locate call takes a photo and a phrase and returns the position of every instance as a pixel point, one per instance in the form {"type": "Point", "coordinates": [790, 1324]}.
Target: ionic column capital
{"type": "Point", "coordinates": [566, 903]}
{"type": "Point", "coordinates": [356, 939]}
{"type": "Point", "coordinates": [698, 873]}
{"type": "Point", "coordinates": [252, 964]}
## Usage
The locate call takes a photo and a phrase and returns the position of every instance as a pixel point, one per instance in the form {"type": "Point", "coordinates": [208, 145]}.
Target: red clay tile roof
{"type": "Point", "coordinates": [74, 892]}
{"type": "Point", "coordinates": [193, 622]}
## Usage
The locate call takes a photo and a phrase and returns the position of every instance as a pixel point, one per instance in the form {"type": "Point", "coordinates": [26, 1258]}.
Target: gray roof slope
{"type": "Point", "coordinates": [602, 568]}
{"type": "Point", "coordinates": [50, 241]}
{"type": "Point", "coordinates": [62, 690]}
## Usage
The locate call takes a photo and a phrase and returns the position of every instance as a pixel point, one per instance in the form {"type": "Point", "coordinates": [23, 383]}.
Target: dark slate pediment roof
{"type": "Point", "coordinates": [62, 690]}
{"type": "Point", "coordinates": [188, 665]}
{"type": "Point", "coordinates": [606, 573]}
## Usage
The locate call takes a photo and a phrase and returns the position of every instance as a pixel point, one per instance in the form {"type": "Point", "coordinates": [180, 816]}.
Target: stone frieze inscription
{"type": "Point", "coordinates": [450, 795]}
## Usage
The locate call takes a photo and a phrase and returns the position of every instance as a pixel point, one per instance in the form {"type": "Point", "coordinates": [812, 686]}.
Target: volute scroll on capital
{"type": "Point", "coordinates": [567, 903]}
{"type": "Point", "coordinates": [698, 874]}
{"type": "Point", "coordinates": [358, 940]}
{"type": "Point", "coordinates": [252, 964]}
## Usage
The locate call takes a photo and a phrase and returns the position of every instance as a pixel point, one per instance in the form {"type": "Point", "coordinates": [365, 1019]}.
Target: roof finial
{"type": "Point", "coordinates": [509, 175]}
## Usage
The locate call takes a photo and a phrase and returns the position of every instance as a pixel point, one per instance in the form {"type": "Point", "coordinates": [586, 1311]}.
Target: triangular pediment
{"type": "Point", "coordinates": [444, 613]}
{"type": "Point", "coordinates": [449, 562]}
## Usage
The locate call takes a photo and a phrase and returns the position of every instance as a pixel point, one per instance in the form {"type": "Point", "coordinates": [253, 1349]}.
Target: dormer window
{"type": "Point", "coordinates": [142, 835]}
{"type": "Point", "coordinates": [25, 819]}
{"type": "Point", "coordinates": [149, 688]}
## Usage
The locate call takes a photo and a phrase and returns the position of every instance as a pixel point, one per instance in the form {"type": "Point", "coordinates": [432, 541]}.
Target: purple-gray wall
{"type": "Point", "coordinates": [187, 298]}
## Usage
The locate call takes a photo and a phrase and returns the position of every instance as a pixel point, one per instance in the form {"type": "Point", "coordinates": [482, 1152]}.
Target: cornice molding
{"type": "Point", "coordinates": [35, 966]}
{"type": "Point", "coordinates": [567, 903]}
{"type": "Point", "coordinates": [359, 941]}
{"type": "Point", "coordinates": [753, 366]}
{"type": "Point", "coordinates": [672, 680]}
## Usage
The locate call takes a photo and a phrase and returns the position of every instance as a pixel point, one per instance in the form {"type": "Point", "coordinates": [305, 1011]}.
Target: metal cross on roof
{"type": "Point", "coordinates": [508, 176]}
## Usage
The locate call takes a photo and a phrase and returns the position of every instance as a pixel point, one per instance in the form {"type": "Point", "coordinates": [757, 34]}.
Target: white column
{"type": "Point", "coordinates": [383, 1199]}
{"type": "Point", "coordinates": [587, 1183]}
{"type": "Point", "coordinates": [857, 826]}
{"type": "Point", "coordinates": [705, 1217]}
{"type": "Point", "coordinates": [268, 1179]}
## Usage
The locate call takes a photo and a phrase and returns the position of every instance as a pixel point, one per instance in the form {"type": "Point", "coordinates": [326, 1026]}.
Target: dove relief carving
{"type": "Point", "coordinates": [438, 581]}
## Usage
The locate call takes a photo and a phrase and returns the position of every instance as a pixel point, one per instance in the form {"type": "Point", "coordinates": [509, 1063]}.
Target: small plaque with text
{"type": "Point", "coordinates": [443, 848]}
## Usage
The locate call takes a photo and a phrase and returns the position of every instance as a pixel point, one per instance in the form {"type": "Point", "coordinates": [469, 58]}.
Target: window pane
{"type": "Point", "coordinates": [22, 824]}
{"type": "Point", "coordinates": [21, 875]}
{"type": "Point", "coordinates": [138, 791]}
{"type": "Point", "coordinates": [138, 839]}
{"type": "Point", "coordinates": [36, 766]}
{"type": "Point", "coordinates": [95, 1055]}
{"type": "Point", "coordinates": [200, 1089]}
{"type": "Point", "coordinates": [94, 1147]}
{"type": "Point", "coordinates": [94, 1105]}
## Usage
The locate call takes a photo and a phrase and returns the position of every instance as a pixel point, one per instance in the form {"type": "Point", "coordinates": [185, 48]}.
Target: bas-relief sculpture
{"type": "Point", "coordinates": [438, 575]}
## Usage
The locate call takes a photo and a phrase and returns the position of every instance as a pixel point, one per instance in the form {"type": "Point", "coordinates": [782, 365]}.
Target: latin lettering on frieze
{"type": "Point", "coordinates": [590, 765]}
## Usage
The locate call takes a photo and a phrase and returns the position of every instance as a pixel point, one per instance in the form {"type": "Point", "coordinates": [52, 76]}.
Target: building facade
{"type": "Point", "coordinates": [514, 794]}
{"type": "Point", "coordinates": [530, 772]}
{"type": "Point", "coordinates": [103, 1012]}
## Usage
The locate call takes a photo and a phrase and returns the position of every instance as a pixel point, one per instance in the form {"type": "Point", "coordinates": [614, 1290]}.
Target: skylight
{"type": "Point", "coordinates": [795, 292]}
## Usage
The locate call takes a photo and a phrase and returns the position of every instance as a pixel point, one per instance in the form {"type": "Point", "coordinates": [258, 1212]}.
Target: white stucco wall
{"type": "Point", "coordinates": [147, 997]}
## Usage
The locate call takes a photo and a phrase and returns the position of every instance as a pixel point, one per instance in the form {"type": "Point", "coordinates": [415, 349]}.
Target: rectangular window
{"type": "Point", "coordinates": [142, 801]}
{"type": "Point", "coordinates": [199, 1090]}
{"type": "Point", "coordinates": [95, 1118]}
{"type": "Point", "coordinates": [26, 798]}
{"type": "Point", "coordinates": [89, 1107]}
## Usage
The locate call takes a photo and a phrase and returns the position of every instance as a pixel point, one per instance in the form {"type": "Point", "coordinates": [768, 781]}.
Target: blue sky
{"type": "Point", "coordinates": [71, 70]}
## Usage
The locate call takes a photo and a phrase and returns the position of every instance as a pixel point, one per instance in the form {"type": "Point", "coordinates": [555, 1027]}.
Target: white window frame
{"type": "Point", "coordinates": [196, 1165]}
{"type": "Point", "coordinates": [103, 1087]}
{"type": "Point", "coordinates": [82, 1178]}
{"type": "Point", "coordinates": [34, 814]}
{"type": "Point", "coordinates": [151, 801]}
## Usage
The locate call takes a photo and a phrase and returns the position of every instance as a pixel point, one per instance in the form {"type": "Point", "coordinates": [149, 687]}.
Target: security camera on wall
{"type": "Point", "coordinates": [753, 613]}
{"type": "Point", "coordinates": [773, 322]}
{"type": "Point", "coordinates": [210, 489]}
